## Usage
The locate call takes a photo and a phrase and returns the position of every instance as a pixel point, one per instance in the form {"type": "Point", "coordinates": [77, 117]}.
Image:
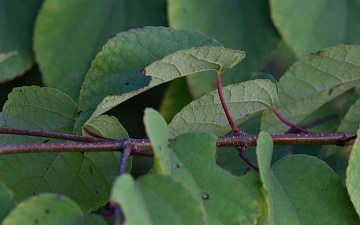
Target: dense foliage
{"type": "Point", "coordinates": [100, 63]}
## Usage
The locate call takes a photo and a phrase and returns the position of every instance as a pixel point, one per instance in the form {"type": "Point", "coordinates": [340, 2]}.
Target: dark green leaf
{"type": "Point", "coordinates": [244, 25]}
{"type": "Point", "coordinates": [115, 74]}
{"type": "Point", "coordinates": [68, 35]}
{"type": "Point", "coordinates": [307, 28]}
{"type": "Point", "coordinates": [16, 29]}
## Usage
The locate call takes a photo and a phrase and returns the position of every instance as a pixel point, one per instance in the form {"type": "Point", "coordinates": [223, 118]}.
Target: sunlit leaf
{"type": "Point", "coordinates": [206, 114]}
{"type": "Point", "coordinates": [235, 25]}
{"type": "Point", "coordinates": [311, 82]}
{"type": "Point", "coordinates": [307, 29]}
{"type": "Point", "coordinates": [68, 35]}
{"type": "Point", "coordinates": [85, 177]}
{"type": "Point", "coordinates": [48, 209]}
{"type": "Point", "coordinates": [157, 131]}
{"type": "Point", "coordinates": [227, 199]}
{"type": "Point", "coordinates": [16, 30]}
{"type": "Point", "coordinates": [156, 199]}
{"type": "Point", "coordinates": [115, 74]}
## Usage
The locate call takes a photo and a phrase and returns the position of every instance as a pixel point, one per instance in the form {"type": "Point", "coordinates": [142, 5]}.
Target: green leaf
{"type": "Point", "coordinates": [176, 97]}
{"type": "Point", "coordinates": [352, 178]}
{"type": "Point", "coordinates": [193, 60]}
{"type": "Point", "coordinates": [48, 209]}
{"type": "Point", "coordinates": [115, 74]}
{"type": "Point", "coordinates": [5, 56]}
{"type": "Point", "coordinates": [156, 199]}
{"type": "Point", "coordinates": [106, 126]}
{"type": "Point", "coordinates": [7, 201]}
{"type": "Point", "coordinates": [349, 123]}
{"type": "Point", "coordinates": [311, 82]}
{"type": "Point", "coordinates": [82, 27]}
{"type": "Point", "coordinates": [16, 30]}
{"type": "Point", "coordinates": [206, 114]}
{"type": "Point", "coordinates": [232, 23]}
{"type": "Point", "coordinates": [227, 199]}
{"type": "Point", "coordinates": [302, 189]}
{"type": "Point", "coordinates": [307, 29]}
{"type": "Point", "coordinates": [157, 131]}
{"type": "Point", "coordinates": [85, 177]}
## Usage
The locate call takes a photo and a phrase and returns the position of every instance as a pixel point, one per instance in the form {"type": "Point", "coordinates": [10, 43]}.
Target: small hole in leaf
{"type": "Point", "coordinates": [175, 166]}
{"type": "Point", "coordinates": [205, 196]}
{"type": "Point", "coordinates": [127, 83]}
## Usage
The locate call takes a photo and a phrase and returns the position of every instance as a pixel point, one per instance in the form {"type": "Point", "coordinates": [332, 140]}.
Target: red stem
{"type": "Point", "coordinates": [287, 122]}
{"type": "Point", "coordinates": [236, 130]}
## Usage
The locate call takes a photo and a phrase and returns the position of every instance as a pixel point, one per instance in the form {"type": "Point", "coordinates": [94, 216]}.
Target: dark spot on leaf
{"type": "Point", "coordinates": [205, 196]}
{"type": "Point", "coordinates": [97, 192]}
{"type": "Point", "coordinates": [127, 83]}
{"type": "Point", "coordinates": [160, 147]}
{"type": "Point", "coordinates": [91, 170]}
{"type": "Point", "coordinates": [36, 222]}
{"type": "Point", "coordinates": [184, 10]}
{"type": "Point", "coordinates": [47, 211]}
{"type": "Point", "coordinates": [46, 141]}
{"type": "Point", "coordinates": [175, 166]}
{"type": "Point", "coordinates": [111, 94]}
{"type": "Point", "coordinates": [78, 113]}
{"type": "Point", "coordinates": [34, 193]}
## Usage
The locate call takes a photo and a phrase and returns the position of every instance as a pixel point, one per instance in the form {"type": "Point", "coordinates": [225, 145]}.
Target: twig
{"type": "Point", "coordinates": [287, 122]}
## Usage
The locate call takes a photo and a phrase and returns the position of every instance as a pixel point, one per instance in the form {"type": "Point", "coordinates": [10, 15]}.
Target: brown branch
{"type": "Point", "coordinates": [141, 145]}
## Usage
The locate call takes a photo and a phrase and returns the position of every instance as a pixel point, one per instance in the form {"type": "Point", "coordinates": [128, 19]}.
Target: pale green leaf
{"type": "Point", "coordinates": [156, 199]}
{"type": "Point", "coordinates": [106, 126]}
{"type": "Point", "coordinates": [115, 74]}
{"type": "Point", "coordinates": [48, 209]}
{"type": "Point", "coordinates": [85, 177]}
{"type": "Point", "coordinates": [311, 82]}
{"type": "Point", "coordinates": [227, 199]}
{"type": "Point", "coordinates": [157, 131]}
{"type": "Point", "coordinates": [68, 34]}
{"type": "Point", "coordinates": [206, 114]}
{"type": "Point", "coordinates": [7, 201]}
{"type": "Point", "coordinates": [17, 19]}
{"type": "Point", "coordinates": [352, 177]}
{"type": "Point", "coordinates": [244, 25]}
{"type": "Point", "coordinates": [308, 28]}
{"type": "Point", "coordinates": [302, 189]}
{"type": "Point", "coordinates": [193, 60]}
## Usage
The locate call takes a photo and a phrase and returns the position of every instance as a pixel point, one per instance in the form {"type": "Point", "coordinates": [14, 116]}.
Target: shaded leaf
{"type": "Point", "coordinates": [5, 56]}
{"type": "Point", "coordinates": [227, 199]}
{"type": "Point", "coordinates": [48, 209]}
{"type": "Point", "coordinates": [7, 201]}
{"type": "Point", "coordinates": [157, 131]}
{"type": "Point", "coordinates": [16, 29]}
{"type": "Point", "coordinates": [82, 27]}
{"type": "Point", "coordinates": [234, 24]}
{"type": "Point", "coordinates": [115, 74]}
{"type": "Point", "coordinates": [176, 97]}
{"type": "Point", "coordinates": [156, 199]}
{"type": "Point", "coordinates": [85, 177]}
{"type": "Point", "coordinates": [352, 178]}
{"type": "Point", "coordinates": [307, 29]}
{"type": "Point", "coordinates": [206, 114]}
{"type": "Point", "coordinates": [311, 82]}
{"type": "Point", "coordinates": [106, 126]}
{"type": "Point", "coordinates": [304, 190]}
